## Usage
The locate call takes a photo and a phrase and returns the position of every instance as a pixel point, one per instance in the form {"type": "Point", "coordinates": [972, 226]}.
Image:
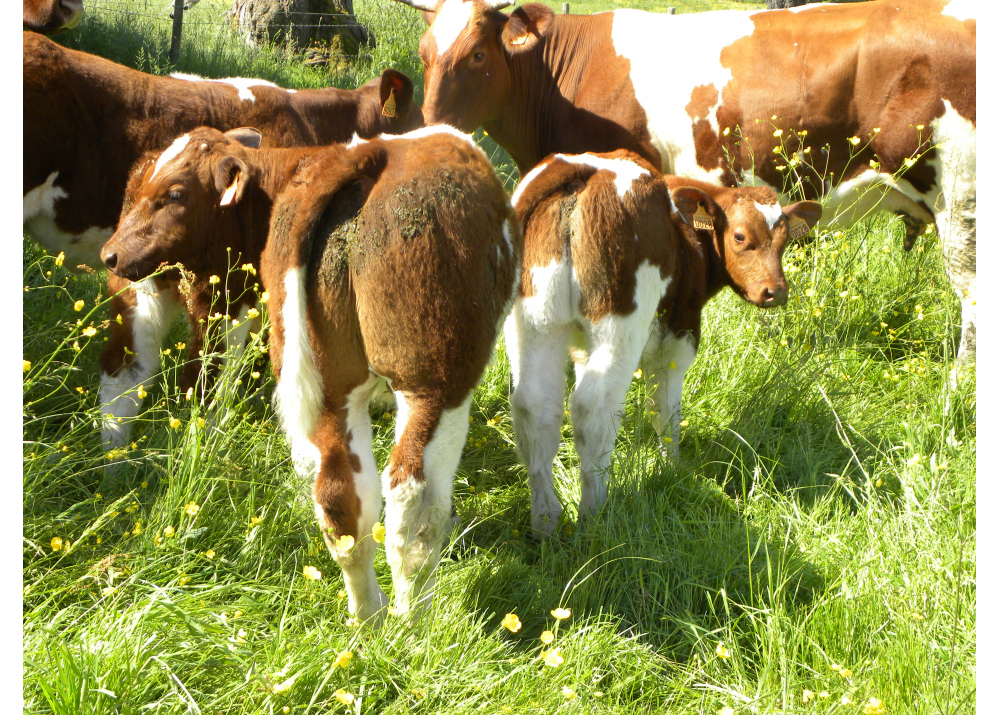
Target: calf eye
{"type": "Point", "coordinates": [176, 195]}
{"type": "Point", "coordinates": [740, 238]}
{"type": "Point", "coordinates": [479, 57]}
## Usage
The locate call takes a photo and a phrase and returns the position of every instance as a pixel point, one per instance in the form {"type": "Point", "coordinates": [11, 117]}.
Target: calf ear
{"type": "Point", "coordinates": [399, 87]}
{"type": "Point", "coordinates": [247, 136]}
{"type": "Point", "coordinates": [696, 207]}
{"type": "Point", "coordinates": [230, 179]}
{"type": "Point", "coordinates": [525, 27]}
{"type": "Point", "coordinates": [802, 217]}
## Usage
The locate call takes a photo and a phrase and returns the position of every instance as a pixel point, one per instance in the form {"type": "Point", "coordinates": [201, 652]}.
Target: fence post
{"type": "Point", "coordinates": [565, 8]}
{"type": "Point", "coordinates": [671, 10]}
{"type": "Point", "coordinates": [175, 39]}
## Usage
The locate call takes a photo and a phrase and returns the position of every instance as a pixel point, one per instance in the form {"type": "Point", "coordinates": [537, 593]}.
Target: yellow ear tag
{"type": "Point", "coordinates": [230, 194]}
{"type": "Point", "coordinates": [389, 108]}
{"type": "Point", "coordinates": [702, 220]}
{"type": "Point", "coordinates": [519, 40]}
{"type": "Point", "coordinates": [797, 228]}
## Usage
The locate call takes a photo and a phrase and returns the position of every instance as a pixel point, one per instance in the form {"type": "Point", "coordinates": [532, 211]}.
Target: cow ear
{"type": "Point", "coordinates": [802, 217]}
{"type": "Point", "coordinates": [696, 207]}
{"type": "Point", "coordinates": [230, 179]}
{"type": "Point", "coordinates": [395, 93]}
{"type": "Point", "coordinates": [525, 27]}
{"type": "Point", "coordinates": [247, 136]}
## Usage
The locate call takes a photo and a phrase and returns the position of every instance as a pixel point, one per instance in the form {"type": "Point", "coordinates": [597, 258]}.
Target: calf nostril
{"type": "Point", "coordinates": [111, 260]}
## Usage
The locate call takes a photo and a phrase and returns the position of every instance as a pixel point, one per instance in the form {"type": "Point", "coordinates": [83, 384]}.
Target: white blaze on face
{"type": "Point", "coordinates": [450, 20]}
{"type": "Point", "coordinates": [172, 151]}
{"type": "Point", "coordinates": [670, 56]}
{"type": "Point", "coordinates": [770, 212]}
{"type": "Point", "coordinates": [625, 171]}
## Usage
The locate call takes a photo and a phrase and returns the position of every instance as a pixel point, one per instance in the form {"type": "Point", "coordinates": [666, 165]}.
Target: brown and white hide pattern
{"type": "Point", "coordinates": [87, 122]}
{"type": "Point", "coordinates": [395, 258]}
{"type": "Point", "coordinates": [614, 269]}
{"type": "Point", "coordinates": [872, 105]}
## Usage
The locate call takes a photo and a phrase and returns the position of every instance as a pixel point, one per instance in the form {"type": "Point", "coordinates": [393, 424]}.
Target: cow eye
{"type": "Point", "coordinates": [740, 238]}
{"type": "Point", "coordinates": [175, 195]}
{"type": "Point", "coordinates": [479, 57]}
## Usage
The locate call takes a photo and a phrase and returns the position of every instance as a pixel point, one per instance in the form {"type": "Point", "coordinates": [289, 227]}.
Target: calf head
{"type": "Point", "coordinates": [392, 109]}
{"type": "Point", "coordinates": [51, 16]}
{"type": "Point", "coordinates": [465, 53]}
{"type": "Point", "coordinates": [749, 230]}
{"type": "Point", "coordinates": [182, 207]}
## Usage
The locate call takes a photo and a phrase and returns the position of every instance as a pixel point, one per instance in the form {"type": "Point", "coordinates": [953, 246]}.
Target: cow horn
{"type": "Point", "coordinates": [426, 5]}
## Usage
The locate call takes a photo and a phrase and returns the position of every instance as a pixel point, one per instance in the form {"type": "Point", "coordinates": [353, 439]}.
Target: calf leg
{"type": "Point", "coordinates": [132, 355]}
{"type": "Point", "coordinates": [665, 362]}
{"type": "Point", "coordinates": [616, 345]}
{"type": "Point", "coordinates": [418, 485]}
{"type": "Point", "coordinates": [348, 498]}
{"type": "Point", "coordinates": [536, 409]}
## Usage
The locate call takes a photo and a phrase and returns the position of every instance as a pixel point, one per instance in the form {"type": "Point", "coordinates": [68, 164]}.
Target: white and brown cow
{"type": "Point", "coordinates": [873, 104]}
{"type": "Point", "coordinates": [393, 258]}
{"type": "Point", "coordinates": [618, 263]}
{"type": "Point", "coordinates": [87, 121]}
{"type": "Point", "coordinates": [51, 16]}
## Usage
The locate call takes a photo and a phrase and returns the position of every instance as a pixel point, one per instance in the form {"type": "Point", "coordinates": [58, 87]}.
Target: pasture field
{"type": "Point", "coordinates": [813, 550]}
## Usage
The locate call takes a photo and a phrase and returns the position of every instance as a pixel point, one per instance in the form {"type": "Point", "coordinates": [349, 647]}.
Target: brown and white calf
{"type": "Point", "coordinates": [393, 258]}
{"type": "Point", "coordinates": [88, 120]}
{"type": "Point", "coordinates": [51, 16]}
{"type": "Point", "coordinates": [618, 263]}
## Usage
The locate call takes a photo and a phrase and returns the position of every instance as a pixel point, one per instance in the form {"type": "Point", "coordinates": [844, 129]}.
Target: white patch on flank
{"type": "Point", "coordinates": [365, 598]}
{"type": "Point", "coordinates": [451, 18]}
{"type": "Point", "coordinates": [299, 392]}
{"type": "Point", "coordinates": [42, 199]}
{"type": "Point", "coordinates": [356, 141]}
{"type": "Point", "coordinates": [666, 383]}
{"type": "Point", "coordinates": [242, 84]}
{"type": "Point", "coordinates": [417, 514]}
{"type": "Point", "coordinates": [770, 212]}
{"type": "Point", "coordinates": [625, 171]}
{"type": "Point", "coordinates": [961, 9]}
{"type": "Point", "coordinates": [171, 152]}
{"type": "Point", "coordinates": [955, 216]}
{"type": "Point", "coordinates": [653, 42]}
{"type": "Point", "coordinates": [152, 317]}
{"type": "Point", "coordinates": [435, 129]}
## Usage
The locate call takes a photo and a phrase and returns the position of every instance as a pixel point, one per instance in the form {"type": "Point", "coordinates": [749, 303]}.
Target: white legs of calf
{"type": "Point", "coordinates": [418, 512]}
{"type": "Point", "coordinates": [151, 318]}
{"type": "Point", "coordinates": [664, 363]}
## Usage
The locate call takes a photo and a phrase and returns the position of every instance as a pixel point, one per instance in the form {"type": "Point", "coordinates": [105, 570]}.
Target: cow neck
{"type": "Point", "coordinates": [544, 85]}
{"type": "Point", "coordinates": [705, 266]}
{"type": "Point", "coordinates": [332, 114]}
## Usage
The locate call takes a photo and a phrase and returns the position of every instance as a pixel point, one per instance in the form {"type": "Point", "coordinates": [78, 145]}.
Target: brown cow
{"type": "Point", "coordinates": [394, 258]}
{"type": "Point", "coordinates": [86, 122]}
{"type": "Point", "coordinates": [631, 258]}
{"type": "Point", "coordinates": [868, 106]}
{"type": "Point", "coordinates": [51, 16]}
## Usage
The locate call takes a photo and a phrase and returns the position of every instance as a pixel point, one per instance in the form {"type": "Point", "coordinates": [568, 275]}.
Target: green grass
{"type": "Point", "coordinates": [823, 512]}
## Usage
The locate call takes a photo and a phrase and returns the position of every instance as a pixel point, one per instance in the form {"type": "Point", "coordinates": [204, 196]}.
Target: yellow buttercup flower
{"type": "Point", "coordinates": [213, 279]}
{"type": "Point", "coordinates": [283, 686]}
{"type": "Point", "coordinates": [568, 692]}
{"type": "Point", "coordinates": [26, 365]}
{"type": "Point", "coordinates": [727, 711]}
{"type": "Point", "coordinates": [78, 306]}
{"type": "Point", "coordinates": [854, 141]}
{"type": "Point", "coordinates": [874, 707]}
{"type": "Point", "coordinates": [343, 696]}
{"type": "Point", "coordinates": [561, 613]}
{"type": "Point", "coordinates": [254, 520]}
{"type": "Point", "coordinates": [264, 297]}
{"type": "Point", "coordinates": [210, 554]}
{"type": "Point", "coordinates": [512, 623]}
{"type": "Point", "coordinates": [312, 573]}
{"type": "Point", "coordinates": [184, 580]}
{"type": "Point", "coordinates": [552, 658]}
{"type": "Point", "coordinates": [378, 532]}
{"type": "Point", "coordinates": [175, 423]}
{"type": "Point", "coordinates": [56, 543]}
{"type": "Point", "coordinates": [191, 508]}
{"type": "Point", "coordinates": [140, 393]}
{"type": "Point", "coordinates": [90, 331]}
{"type": "Point", "coordinates": [343, 659]}
{"type": "Point", "coordinates": [60, 258]}
{"type": "Point", "coordinates": [807, 695]}
{"type": "Point", "coordinates": [547, 637]}
{"type": "Point", "coordinates": [722, 651]}
{"type": "Point", "coordinates": [345, 542]}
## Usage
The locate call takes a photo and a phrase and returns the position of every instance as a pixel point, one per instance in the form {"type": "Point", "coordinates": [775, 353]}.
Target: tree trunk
{"type": "Point", "coordinates": [327, 25]}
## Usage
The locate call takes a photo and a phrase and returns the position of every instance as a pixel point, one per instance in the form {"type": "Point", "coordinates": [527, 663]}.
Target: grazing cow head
{"type": "Point", "coordinates": [51, 16]}
{"type": "Point", "coordinates": [751, 230]}
{"type": "Point", "coordinates": [466, 51]}
{"type": "Point", "coordinates": [173, 204]}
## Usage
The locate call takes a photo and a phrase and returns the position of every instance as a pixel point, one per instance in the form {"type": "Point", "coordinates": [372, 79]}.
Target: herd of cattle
{"type": "Point", "coordinates": [390, 251]}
